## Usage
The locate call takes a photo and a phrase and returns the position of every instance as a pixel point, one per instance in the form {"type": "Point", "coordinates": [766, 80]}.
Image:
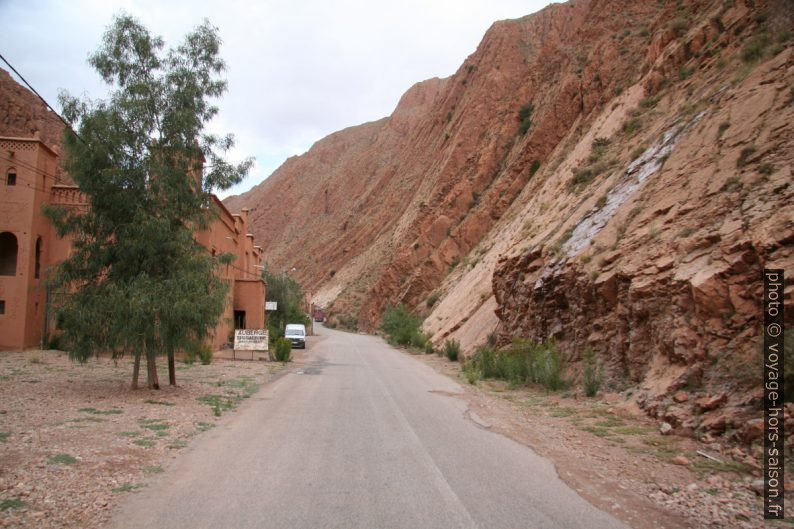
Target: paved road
{"type": "Point", "coordinates": [359, 436]}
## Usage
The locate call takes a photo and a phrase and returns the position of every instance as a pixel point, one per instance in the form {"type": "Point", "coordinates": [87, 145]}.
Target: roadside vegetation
{"type": "Point", "coordinates": [137, 282]}
{"type": "Point", "coordinates": [523, 362]}
{"type": "Point", "coordinates": [288, 295]}
{"type": "Point", "coordinates": [401, 327]}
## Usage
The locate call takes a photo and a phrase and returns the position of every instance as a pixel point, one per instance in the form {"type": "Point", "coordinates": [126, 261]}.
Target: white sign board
{"type": "Point", "coordinates": [271, 305]}
{"type": "Point", "coordinates": [250, 340]}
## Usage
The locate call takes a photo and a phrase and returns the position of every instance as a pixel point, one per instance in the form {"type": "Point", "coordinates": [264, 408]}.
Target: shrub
{"type": "Point", "coordinates": [685, 72]}
{"type": "Point", "coordinates": [283, 350]}
{"type": "Point", "coordinates": [471, 372]}
{"type": "Point", "coordinates": [452, 350]}
{"type": "Point", "coordinates": [429, 348]}
{"type": "Point", "coordinates": [679, 26]}
{"type": "Point", "coordinates": [602, 201]}
{"type": "Point", "coordinates": [745, 155]}
{"type": "Point", "coordinates": [592, 374]}
{"type": "Point", "coordinates": [534, 168]}
{"type": "Point", "coordinates": [649, 102]}
{"type": "Point", "coordinates": [722, 128]}
{"type": "Point", "coordinates": [632, 125]}
{"type": "Point", "coordinates": [754, 49]}
{"type": "Point", "coordinates": [205, 354]}
{"type": "Point", "coordinates": [432, 299]}
{"type": "Point", "coordinates": [525, 361]}
{"type": "Point", "coordinates": [399, 325]}
{"type": "Point", "coordinates": [54, 341]}
{"type": "Point", "coordinates": [525, 118]}
{"type": "Point", "coordinates": [419, 340]}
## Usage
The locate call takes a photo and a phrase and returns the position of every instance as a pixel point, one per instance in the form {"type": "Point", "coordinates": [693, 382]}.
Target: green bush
{"type": "Point", "coordinates": [432, 299]}
{"type": "Point", "coordinates": [525, 118]}
{"type": "Point", "coordinates": [452, 350]}
{"type": "Point", "coordinates": [429, 348]}
{"type": "Point", "coordinates": [205, 354]}
{"type": "Point", "coordinates": [419, 340]}
{"type": "Point", "coordinates": [283, 350]}
{"type": "Point", "coordinates": [524, 361]}
{"type": "Point", "coordinates": [400, 326]}
{"type": "Point", "coordinates": [471, 372]}
{"type": "Point", "coordinates": [592, 373]}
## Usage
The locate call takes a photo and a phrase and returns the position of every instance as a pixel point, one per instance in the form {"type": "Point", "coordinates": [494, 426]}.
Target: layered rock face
{"type": "Point", "coordinates": [614, 178]}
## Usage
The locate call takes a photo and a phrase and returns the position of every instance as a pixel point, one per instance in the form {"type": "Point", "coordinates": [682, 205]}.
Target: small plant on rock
{"type": "Point", "coordinates": [592, 374]}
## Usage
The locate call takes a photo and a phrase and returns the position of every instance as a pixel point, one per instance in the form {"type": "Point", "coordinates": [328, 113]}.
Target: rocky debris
{"type": "Point", "coordinates": [681, 396]}
{"type": "Point", "coordinates": [710, 402]}
{"type": "Point", "coordinates": [665, 428]}
{"type": "Point", "coordinates": [680, 460]}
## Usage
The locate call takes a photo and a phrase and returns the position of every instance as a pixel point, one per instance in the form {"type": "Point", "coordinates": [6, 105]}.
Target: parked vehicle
{"type": "Point", "coordinates": [296, 334]}
{"type": "Point", "coordinates": [319, 315]}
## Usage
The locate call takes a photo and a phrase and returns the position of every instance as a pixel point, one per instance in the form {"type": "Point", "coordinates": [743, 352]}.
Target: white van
{"type": "Point", "coordinates": [296, 333]}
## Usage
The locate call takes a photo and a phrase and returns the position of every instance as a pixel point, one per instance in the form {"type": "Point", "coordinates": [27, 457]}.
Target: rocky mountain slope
{"type": "Point", "coordinates": [23, 114]}
{"type": "Point", "coordinates": [614, 176]}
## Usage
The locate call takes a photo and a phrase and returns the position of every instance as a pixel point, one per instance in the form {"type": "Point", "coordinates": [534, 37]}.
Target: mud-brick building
{"type": "Point", "coordinates": [30, 178]}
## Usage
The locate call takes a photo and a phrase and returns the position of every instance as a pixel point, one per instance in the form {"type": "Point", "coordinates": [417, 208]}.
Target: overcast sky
{"type": "Point", "coordinates": [297, 70]}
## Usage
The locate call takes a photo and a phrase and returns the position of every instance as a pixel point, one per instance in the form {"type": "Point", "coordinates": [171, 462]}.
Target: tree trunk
{"type": "Point", "coordinates": [171, 368]}
{"type": "Point", "coordinates": [135, 370]}
{"type": "Point", "coordinates": [151, 370]}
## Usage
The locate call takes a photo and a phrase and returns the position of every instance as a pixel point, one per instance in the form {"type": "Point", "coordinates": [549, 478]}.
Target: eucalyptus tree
{"type": "Point", "coordinates": [137, 282]}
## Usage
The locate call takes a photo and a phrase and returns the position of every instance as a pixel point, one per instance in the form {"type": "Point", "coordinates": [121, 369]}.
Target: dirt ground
{"type": "Point", "coordinates": [75, 439]}
{"type": "Point", "coordinates": [618, 460]}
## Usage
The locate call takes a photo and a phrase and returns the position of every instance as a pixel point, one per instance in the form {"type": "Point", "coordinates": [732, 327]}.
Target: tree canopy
{"type": "Point", "coordinates": [137, 282]}
{"type": "Point", "coordinates": [288, 295]}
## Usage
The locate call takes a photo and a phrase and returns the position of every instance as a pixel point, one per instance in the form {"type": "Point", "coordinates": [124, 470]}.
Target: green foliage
{"type": "Point", "coordinates": [419, 340]}
{"type": "Point", "coordinates": [586, 174]}
{"type": "Point", "coordinates": [631, 126]}
{"type": "Point", "coordinates": [722, 128]}
{"type": "Point", "coordinates": [745, 155]}
{"type": "Point", "coordinates": [471, 372]}
{"type": "Point", "coordinates": [205, 354]}
{"type": "Point", "coordinates": [4, 436]}
{"type": "Point", "coordinates": [452, 350]}
{"type": "Point", "coordinates": [534, 168]}
{"type": "Point", "coordinates": [649, 102]}
{"type": "Point", "coordinates": [592, 373]}
{"type": "Point", "coordinates": [137, 281]}
{"type": "Point", "coordinates": [127, 487]}
{"type": "Point", "coordinates": [429, 348]}
{"type": "Point", "coordinates": [283, 350]}
{"type": "Point", "coordinates": [62, 459]}
{"type": "Point", "coordinates": [523, 362]}
{"type": "Point", "coordinates": [602, 201]}
{"type": "Point", "coordinates": [11, 503]}
{"type": "Point", "coordinates": [755, 47]}
{"type": "Point", "coordinates": [525, 118]}
{"type": "Point", "coordinates": [94, 411]}
{"type": "Point", "coordinates": [400, 326]}
{"type": "Point", "coordinates": [685, 72]}
{"type": "Point", "coordinates": [432, 299]}
{"type": "Point", "coordinates": [288, 295]}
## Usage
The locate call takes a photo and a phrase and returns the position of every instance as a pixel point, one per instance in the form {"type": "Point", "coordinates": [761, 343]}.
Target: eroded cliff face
{"type": "Point", "coordinates": [632, 212]}
{"type": "Point", "coordinates": [23, 115]}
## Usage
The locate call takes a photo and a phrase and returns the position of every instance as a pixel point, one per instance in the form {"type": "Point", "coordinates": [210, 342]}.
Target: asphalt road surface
{"type": "Point", "coordinates": [359, 435]}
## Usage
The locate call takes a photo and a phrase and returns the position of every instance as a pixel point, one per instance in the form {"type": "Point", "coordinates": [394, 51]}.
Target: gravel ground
{"type": "Point", "coordinates": [75, 439]}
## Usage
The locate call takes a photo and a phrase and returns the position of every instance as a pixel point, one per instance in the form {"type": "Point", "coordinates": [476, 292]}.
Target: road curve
{"type": "Point", "coordinates": [359, 435]}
